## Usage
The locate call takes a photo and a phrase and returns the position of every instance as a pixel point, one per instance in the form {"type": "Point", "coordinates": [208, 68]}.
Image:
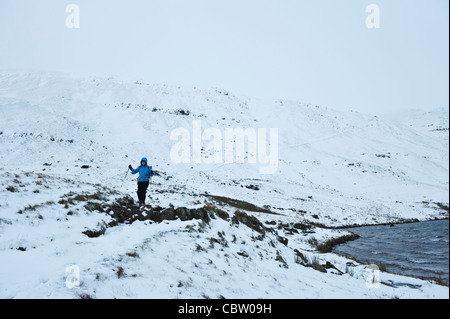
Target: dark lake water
{"type": "Point", "coordinates": [417, 249]}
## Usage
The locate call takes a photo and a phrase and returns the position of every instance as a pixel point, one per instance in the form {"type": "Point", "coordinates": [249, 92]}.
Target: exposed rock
{"type": "Point", "coordinates": [250, 221]}
{"type": "Point", "coordinates": [282, 240]}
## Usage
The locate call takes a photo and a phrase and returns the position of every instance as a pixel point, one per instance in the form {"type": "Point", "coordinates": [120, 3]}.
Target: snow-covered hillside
{"type": "Point", "coordinates": [63, 136]}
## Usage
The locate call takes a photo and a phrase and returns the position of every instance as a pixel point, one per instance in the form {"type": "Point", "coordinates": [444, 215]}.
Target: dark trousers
{"type": "Point", "coordinates": [142, 189]}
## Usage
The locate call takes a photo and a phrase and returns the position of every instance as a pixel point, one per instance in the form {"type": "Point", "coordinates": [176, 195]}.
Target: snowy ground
{"type": "Point", "coordinates": [334, 169]}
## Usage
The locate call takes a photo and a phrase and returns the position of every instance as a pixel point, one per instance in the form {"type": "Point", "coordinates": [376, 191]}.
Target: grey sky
{"type": "Point", "coordinates": [316, 51]}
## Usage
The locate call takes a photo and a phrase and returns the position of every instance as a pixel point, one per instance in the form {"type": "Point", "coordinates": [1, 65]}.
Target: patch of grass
{"type": "Point", "coordinates": [213, 240]}
{"type": "Point", "coordinates": [96, 232]}
{"type": "Point", "coordinates": [202, 226]}
{"type": "Point", "coordinates": [219, 212]}
{"type": "Point", "coordinates": [250, 221]}
{"type": "Point", "coordinates": [327, 246]}
{"type": "Point", "coordinates": [200, 248]}
{"type": "Point", "coordinates": [87, 197]}
{"type": "Point", "coordinates": [315, 264]}
{"type": "Point", "coordinates": [11, 189]}
{"type": "Point", "coordinates": [120, 272]}
{"type": "Point", "coordinates": [312, 241]}
{"type": "Point", "coordinates": [92, 206]}
{"type": "Point", "coordinates": [72, 198]}
{"type": "Point", "coordinates": [133, 254]}
{"type": "Point", "coordinates": [443, 206]}
{"type": "Point", "coordinates": [280, 258]}
{"type": "Point", "coordinates": [239, 204]}
{"type": "Point", "coordinates": [300, 258]}
{"type": "Point", "coordinates": [222, 241]}
{"type": "Point", "coordinates": [243, 253]}
{"type": "Point", "coordinates": [66, 202]}
{"type": "Point", "coordinates": [34, 207]}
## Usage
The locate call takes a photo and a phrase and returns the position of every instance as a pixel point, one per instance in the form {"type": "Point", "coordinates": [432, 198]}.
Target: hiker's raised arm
{"type": "Point", "coordinates": [133, 171]}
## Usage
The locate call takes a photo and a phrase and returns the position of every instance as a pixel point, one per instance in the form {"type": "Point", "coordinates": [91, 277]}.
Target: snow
{"type": "Point", "coordinates": [334, 168]}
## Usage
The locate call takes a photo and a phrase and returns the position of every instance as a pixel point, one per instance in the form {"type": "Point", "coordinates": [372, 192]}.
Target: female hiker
{"type": "Point", "coordinates": [145, 172]}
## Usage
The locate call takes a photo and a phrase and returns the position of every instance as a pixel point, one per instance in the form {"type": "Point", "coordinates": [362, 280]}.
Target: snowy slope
{"type": "Point", "coordinates": [335, 168]}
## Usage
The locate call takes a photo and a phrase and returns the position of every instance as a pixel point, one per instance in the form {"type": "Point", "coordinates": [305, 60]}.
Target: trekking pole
{"type": "Point", "coordinates": [123, 181]}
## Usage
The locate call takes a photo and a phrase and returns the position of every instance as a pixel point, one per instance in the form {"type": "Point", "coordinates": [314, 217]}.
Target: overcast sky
{"type": "Point", "coordinates": [314, 51]}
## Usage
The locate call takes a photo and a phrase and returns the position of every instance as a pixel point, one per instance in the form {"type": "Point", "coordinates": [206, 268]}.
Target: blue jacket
{"type": "Point", "coordinates": [144, 171]}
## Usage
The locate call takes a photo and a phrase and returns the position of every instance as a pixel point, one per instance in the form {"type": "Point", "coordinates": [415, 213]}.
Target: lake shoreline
{"type": "Point", "coordinates": [385, 263]}
{"type": "Point", "coordinates": [406, 221]}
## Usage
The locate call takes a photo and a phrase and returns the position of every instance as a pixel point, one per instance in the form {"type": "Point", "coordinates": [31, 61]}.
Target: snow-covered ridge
{"type": "Point", "coordinates": [61, 134]}
{"type": "Point", "coordinates": [356, 168]}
